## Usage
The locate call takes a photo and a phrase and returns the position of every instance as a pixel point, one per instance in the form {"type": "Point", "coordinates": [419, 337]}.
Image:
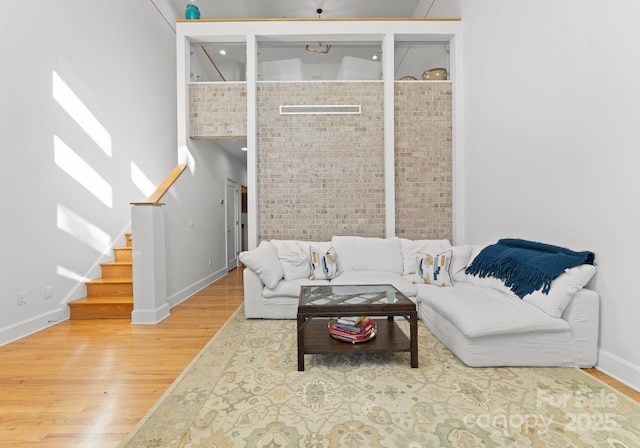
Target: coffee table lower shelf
{"type": "Point", "coordinates": [317, 340]}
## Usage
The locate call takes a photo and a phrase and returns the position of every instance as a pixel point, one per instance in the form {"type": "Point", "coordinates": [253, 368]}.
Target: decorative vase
{"type": "Point", "coordinates": [192, 12]}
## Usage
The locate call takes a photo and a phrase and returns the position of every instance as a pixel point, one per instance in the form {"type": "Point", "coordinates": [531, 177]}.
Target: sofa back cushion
{"type": "Point", "coordinates": [294, 258]}
{"type": "Point", "coordinates": [563, 288]}
{"type": "Point", "coordinates": [357, 253]}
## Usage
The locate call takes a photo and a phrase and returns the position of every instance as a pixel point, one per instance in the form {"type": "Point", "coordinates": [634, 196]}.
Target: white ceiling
{"type": "Point", "coordinates": [213, 9]}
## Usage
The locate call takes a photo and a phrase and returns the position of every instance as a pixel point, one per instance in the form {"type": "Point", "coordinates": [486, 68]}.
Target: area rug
{"type": "Point", "coordinates": [244, 390]}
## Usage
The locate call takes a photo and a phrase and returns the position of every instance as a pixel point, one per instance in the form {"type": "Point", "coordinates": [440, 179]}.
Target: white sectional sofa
{"type": "Point", "coordinates": [479, 319]}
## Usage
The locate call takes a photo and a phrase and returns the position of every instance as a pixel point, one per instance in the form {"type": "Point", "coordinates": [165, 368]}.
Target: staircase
{"type": "Point", "coordinates": [109, 297]}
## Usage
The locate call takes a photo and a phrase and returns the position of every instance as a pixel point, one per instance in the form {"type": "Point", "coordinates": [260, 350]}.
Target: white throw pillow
{"type": "Point", "coordinates": [459, 262]}
{"type": "Point", "coordinates": [263, 260]}
{"type": "Point", "coordinates": [324, 265]}
{"type": "Point", "coordinates": [434, 269]}
{"type": "Point", "coordinates": [410, 249]}
{"type": "Point", "coordinates": [294, 259]}
{"type": "Point", "coordinates": [563, 288]}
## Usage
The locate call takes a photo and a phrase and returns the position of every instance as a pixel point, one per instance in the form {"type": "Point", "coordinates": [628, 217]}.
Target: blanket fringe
{"type": "Point", "coordinates": [516, 277]}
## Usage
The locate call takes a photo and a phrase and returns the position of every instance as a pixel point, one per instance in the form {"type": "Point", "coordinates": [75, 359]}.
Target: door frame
{"type": "Point", "coordinates": [230, 182]}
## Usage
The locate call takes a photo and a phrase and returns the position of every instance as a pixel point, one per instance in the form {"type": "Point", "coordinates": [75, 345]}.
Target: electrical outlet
{"type": "Point", "coordinates": [191, 222]}
{"type": "Point", "coordinates": [48, 292]}
{"type": "Point", "coordinates": [209, 261]}
{"type": "Point", "coordinates": [22, 298]}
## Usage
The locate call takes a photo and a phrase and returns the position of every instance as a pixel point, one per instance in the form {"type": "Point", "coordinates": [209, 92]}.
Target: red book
{"type": "Point", "coordinates": [364, 331]}
{"type": "Point", "coordinates": [350, 336]}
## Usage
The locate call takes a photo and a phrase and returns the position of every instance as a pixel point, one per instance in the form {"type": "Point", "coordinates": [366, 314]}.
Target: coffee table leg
{"type": "Point", "coordinates": [300, 343]}
{"type": "Point", "coordinates": [413, 332]}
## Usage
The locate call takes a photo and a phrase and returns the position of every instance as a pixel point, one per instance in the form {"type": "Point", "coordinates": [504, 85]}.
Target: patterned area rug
{"type": "Point", "coordinates": [244, 390]}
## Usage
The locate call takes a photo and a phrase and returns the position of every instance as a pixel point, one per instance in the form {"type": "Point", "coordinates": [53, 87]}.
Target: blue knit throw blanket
{"type": "Point", "coordinates": [526, 266]}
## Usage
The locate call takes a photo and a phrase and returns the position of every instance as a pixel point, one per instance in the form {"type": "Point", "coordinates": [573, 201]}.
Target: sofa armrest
{"type": "Point", "coordinates": [583, 315]}
{"type": "Point", "coordinates": [253, 287]}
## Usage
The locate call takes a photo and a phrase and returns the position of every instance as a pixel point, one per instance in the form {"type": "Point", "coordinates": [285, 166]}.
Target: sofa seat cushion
{"type": "Point", "coordinates": [402, 284]}
{"type": "Point", "coordinates": [290, 288]}
{"type": "Point", "coordinates": [478, 311]}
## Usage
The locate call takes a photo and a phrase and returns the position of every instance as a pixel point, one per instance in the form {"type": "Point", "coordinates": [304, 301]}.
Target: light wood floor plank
{"type": "Point", "coordinates": [87, 383]}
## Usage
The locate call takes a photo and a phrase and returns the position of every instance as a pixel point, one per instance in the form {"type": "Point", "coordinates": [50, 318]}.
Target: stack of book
{"type": "Point", "coordinates": [352, 329]}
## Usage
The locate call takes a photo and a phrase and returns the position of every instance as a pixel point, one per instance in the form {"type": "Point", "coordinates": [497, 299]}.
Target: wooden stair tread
{"type": "Point", "coordinates": [111, 296]}
{"type": "Point", "coordinates": [101, 308]}
{"type": "Point", "coordinates": [102, 300]}
{"type": "Point", "coordinates": [114, 280]}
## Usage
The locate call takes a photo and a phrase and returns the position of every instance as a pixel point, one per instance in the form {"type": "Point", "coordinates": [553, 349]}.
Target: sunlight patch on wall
{"type": "Point", "coordinates": [141, 181]}
{"type": "Point", "coordinates": [185, 158]}
{"type": "Point", "coordinates": [70, 102]}
{"type": "Point", "coordinates": [68, 273]}
{"type": "Point", "coordinates": [82, 230]}
{"type": "Point", "coordinates": [72, 164]}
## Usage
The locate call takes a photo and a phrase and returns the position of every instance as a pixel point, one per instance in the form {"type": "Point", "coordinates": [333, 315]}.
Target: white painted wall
{"type": "Point", "coordinates": [119, 59]}
{"type": "Point", "coordinates": [551, 113]}
{"type": "Point", "coordinates": [195, 229]}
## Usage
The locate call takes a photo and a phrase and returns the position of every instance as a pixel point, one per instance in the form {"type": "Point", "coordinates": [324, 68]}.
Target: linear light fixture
{"type": "Point", "coordinates": [324, 49]}
{"type": "Point", "coordinates": [320, 109]}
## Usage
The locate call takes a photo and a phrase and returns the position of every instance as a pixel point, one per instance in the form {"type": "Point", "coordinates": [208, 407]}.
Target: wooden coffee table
{"type": "Point", "coordinates": [319, 303]}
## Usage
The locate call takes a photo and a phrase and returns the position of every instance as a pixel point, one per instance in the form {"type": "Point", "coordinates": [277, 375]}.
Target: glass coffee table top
{"type": "Point", "coordinates": [319, 303]}
{"type": "Point", "coordinates": [351, 295]}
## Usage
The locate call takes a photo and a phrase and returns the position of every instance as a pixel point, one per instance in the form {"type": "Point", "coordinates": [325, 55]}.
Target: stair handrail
{"type": "Point", "coordinates": [162, 189]}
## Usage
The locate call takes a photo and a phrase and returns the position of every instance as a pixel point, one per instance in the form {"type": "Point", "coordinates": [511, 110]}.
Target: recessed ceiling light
{"type": "Point", "coordinates": [375, 57]}
{"type": "Point", "coordinates": [244, 148]}
{"type": "Point", "coordinates": [222, 52]}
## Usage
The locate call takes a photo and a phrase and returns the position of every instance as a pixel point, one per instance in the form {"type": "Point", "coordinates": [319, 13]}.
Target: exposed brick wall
{"type": "Point", "coordinates": [323, 175]}
{"type": "Point", "coordinates": [320, 175]}
{"type": "Point", "coordinates": [217, 110]}
{"type": "Point", "coordinates": [423, 160]}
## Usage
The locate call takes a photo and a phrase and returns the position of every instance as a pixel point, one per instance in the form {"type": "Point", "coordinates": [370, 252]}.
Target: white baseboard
{"type": "Point", "coordinates": [619, 369]}
{"type": "Point", "coordinates": [32, 325]}
{"type": "Point", "coordinates": [142, 317]}
{"type": "Point", "coordinates": [189, 291]}
{"type": "Point", "coordinates": [150, 317]}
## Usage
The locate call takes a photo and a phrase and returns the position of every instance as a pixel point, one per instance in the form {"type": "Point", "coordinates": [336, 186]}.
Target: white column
{"type": "Point", "coordinates": [457, 150]}
{"type": "Point", "coordinates": [149, 265]}
{"type": "Point", "coordinates": [252, 150]}
{"type": "Point", "coordinates": [389, 135]}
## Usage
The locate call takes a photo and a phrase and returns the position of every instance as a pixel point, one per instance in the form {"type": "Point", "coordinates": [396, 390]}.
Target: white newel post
{"type": "Point", "coordinates": [149, 264]}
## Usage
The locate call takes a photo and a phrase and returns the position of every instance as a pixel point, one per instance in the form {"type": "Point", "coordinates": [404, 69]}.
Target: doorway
{"type": "Point", "coordinates": [244, 219]}
{"type": "Point", "coordinates": [232, 223]}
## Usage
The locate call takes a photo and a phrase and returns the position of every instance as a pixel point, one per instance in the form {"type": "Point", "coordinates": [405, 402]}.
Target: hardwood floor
{"type": "Point", "coordinates": [87, 383]}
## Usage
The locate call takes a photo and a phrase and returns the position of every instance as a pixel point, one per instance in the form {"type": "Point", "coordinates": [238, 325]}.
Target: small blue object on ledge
{"type": "Point", "coordinates": [192, 12]}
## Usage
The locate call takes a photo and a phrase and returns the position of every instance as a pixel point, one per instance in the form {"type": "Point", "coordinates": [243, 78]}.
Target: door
{"type": "Point", "coordinates": [233, 222]}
